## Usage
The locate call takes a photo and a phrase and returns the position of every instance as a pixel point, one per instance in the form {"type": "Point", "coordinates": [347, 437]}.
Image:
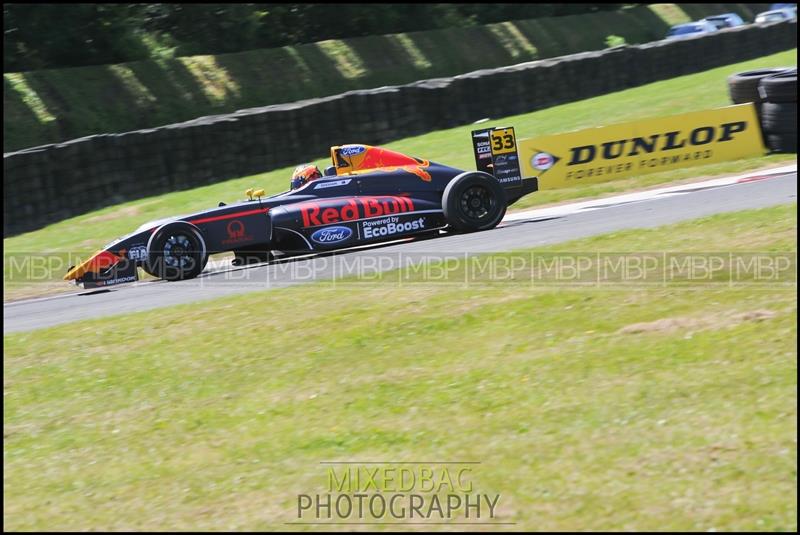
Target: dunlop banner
{"type": "Point", "coordinates": [646, 146]}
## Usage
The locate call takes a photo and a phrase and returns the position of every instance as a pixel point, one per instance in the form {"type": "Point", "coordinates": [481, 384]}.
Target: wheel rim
{"type": "Point", "coordinates": [476, 202]}
{"type": "Point", "coordinates": [178, 251]}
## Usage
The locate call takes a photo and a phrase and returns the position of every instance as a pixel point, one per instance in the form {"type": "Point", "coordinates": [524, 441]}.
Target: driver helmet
{"type": "Point", "coordinates": [303, 174]}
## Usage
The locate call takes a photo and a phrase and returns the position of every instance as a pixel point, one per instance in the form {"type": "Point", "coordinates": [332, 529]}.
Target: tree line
{"type": "Point", "coordinates": [43, 36]}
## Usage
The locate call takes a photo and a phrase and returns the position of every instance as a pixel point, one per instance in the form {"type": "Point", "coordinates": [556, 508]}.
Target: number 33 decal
{"type": "Point", "coordinates": [503, 142]}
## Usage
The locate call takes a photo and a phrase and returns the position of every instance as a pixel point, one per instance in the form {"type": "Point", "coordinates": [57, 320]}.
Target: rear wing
{"type": "Point", "coordinates": [495, 151]}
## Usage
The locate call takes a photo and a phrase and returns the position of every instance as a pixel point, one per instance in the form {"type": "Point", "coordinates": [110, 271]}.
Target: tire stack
{"type": "Point", "coordinates": [779, 111]}
{"type": "Point", "coordinates": [774, 92]}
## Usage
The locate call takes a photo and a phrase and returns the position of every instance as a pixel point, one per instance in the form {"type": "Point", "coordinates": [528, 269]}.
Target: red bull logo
{"type": "Point", "coordinates": [326, 213]}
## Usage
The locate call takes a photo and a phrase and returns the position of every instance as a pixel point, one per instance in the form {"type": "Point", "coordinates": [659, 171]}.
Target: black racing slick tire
{"type": "Point", "coordinates": [779, 117]}
{"type": "Point", "coordinates": [176, 251]}
{"type": "Point", "coordinates": [743, 86]}
{"type": "Point", "coordinates": [781, 87]}
{"type": "Point", "coordinates": [474, 201]}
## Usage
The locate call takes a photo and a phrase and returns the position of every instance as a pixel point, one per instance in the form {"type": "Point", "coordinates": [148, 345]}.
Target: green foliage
{"type": "Point", "coordinates": [39, 36]}
{"type": "Point", "coordinates": [615, 40]}
{"type": "Point", "coordinates": [163, 90]}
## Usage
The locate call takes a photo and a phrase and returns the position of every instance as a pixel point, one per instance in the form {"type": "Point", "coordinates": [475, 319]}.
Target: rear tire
{"type": "Point", "coordinates": [474, 201]}
{"type": "Point", "coordinates": [176, 251]}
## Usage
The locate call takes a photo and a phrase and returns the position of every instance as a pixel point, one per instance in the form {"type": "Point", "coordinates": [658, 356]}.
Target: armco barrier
{"type": "Point", "coordinates": [49, 183]}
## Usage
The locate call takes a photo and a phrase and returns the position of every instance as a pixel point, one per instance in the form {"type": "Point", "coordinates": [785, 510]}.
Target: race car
{"type": "Point", "coordinates": [368, 195]}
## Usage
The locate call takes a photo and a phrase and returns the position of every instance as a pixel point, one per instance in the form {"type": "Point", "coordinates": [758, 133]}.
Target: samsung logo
{"type": "Point", "coordinates": [331, 235]}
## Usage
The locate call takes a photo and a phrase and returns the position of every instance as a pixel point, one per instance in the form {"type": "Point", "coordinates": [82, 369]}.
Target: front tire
{"type": "Point", "coordinates": [474, 201]}
{"type": "Point", "coordinates": [176, 251]}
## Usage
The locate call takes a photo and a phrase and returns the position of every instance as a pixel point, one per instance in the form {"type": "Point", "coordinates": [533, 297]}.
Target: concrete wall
{"type": "Point", "coordinates": [49, 183]}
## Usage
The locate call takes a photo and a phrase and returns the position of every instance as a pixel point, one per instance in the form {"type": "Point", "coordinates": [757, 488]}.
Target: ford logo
{"type": "Point", "coordinates": [352, 150]}
{"type": "Point", "coordinates": [331, 235]}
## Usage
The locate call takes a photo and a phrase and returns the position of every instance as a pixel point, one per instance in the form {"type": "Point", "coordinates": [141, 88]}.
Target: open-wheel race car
{"type": "Point", "coordinates": [369, 195]}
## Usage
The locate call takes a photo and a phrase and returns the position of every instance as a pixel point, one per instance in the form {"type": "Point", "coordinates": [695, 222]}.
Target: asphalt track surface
{"type": "Point", "coordinates": [519, 230]}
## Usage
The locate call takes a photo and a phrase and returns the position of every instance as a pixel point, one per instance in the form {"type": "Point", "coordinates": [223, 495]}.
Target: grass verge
{"type": "Point", "coordinates": [85, 234]}
{"type": "Point", "coordinates": [626, 408]}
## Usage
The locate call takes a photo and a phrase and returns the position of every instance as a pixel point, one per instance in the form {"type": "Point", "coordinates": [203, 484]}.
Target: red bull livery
{"type": "Point", "coordinates": [368, 195]}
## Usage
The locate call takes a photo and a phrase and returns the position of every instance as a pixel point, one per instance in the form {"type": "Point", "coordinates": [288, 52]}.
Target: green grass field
{"type": "Point", "coordinates": [662, 407]}
{"type": "Point", "coordinates": [85, 234]}
{"type": "Point", "coordinates": [54, 105]}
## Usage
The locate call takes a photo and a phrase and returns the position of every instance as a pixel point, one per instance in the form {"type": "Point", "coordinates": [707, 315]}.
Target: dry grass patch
{"type": "Point", "coordinates": [717, 321]}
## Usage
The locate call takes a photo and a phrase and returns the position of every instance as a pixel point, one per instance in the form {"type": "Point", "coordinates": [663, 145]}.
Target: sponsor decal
{"type": "Point", "coordinates": [390, 226]}
{"type": "Point", "coordinates": [138, 253]}
{"type": "Point", "coordinates": [120, 280]}
{"type": "Point", "coordinates": [662, 141]}
{"type": "Point", "coordinates": [509, 179]}
{"type": "Point", "coordinates": [235, 229]}
{"type": "Point", "coordinates": [504, 159]}
{"type": "Point", "coordinates": [330, 235]}
{"type": "Point", "coordinates": [483, 149]}
{"type": "Point", "coordinates": [237, 233]}
{"type": "Point", "coordinates": [352, 150]}
{"type": "Point", "coordinates": [482, 146]}
{"type": "Point", "coordinates": [542, 161]}
{"type": "Point", "coordinates": [318, 213]}
{"type": "Point", "coordinates": [646, 146]}
{"type": "Point", "coordinates": [332, 184]}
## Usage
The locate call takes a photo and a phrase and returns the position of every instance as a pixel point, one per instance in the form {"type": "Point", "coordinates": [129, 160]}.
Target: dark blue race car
{"type": "Point", "coordinates": [368, 195]}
